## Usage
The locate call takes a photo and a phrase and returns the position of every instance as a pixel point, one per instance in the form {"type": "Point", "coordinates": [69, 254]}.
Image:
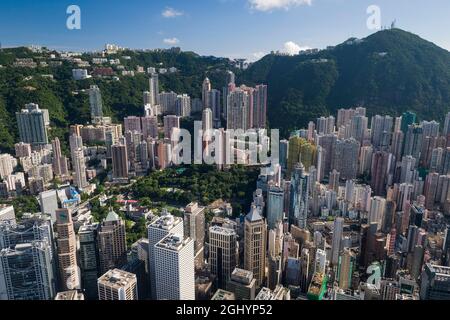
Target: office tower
{"type": "Point", "coordinates": [119, 155]}
{"type": "Point", "coordinates": [381, 130]}
{"type": "Point", "coordinates": [95, 103]}
{"type": "Point", "coordinates": [27, 271]}
{"type": "Point", "coordinates": [7, 214]}
{"type": "Point", "coordinates": [260, 106]}
{"type": "Point", "coordinates": [417, 261]}
{"type": "Point", "coordinates": [32, 123]}
{"type": "Point", "coordinates": [154, 89]}
{"type": "Point", "coordinates": [207, 120]}
{"type": "Point", "coordinates": [275, 270]}
{"type": "Point", "coordinates": [222, 253]}
{"type": "Point", "coordinates": [206, 87]}
{"type": "Point", "coordinates": [298, 208]}
{"type": "Point", "coordinates": [149, 127]}
{"type": "Point", "coordinates": [22, 149]}
{"type": "Point", "coordinates": [183, 106]}
{"type": "Point", "coordinates": [382, 169]}
{"type": "Point", "coordinates": [238, 106]}
{"type": "Point", "coordinates": [408, 118]}
{"type": "Point", "coordinates": [67, 251]}
{"type": "Point", "coordinates": [376, 212]}
{"type": "Point", "coordinates": [345, 159]}
{"type": "Point", "coordinates": [346, 266]}
{"type": "Point", "coordinates": [300, 150]}
{"type": "Point", "coordinates": [157, 230]}
{"type": "Point", "coordinates": [117, 285]}
{"type": "Point", "coordinates": [242, 284]}
{"type": "Point", "coordinates": [284, 148]}
{"type": "Point", "coordinates": [48, 201]}
{"type": "Point", "coordinates": [255, 234]}
{"type": "Point", "coordinates": [338, 230]}
{"type": "Point", "coordinates": [89, 260]}
{"type": "Point", "coordinates": [413, 141]}
{"type": "Point", "coordinates": [275, 206]}
{"type": "Point", "coordinates": [174, 268]}
{"type": "Point", "coordinates": [170, 122]}
{"type": "Point", "coordinates": [435, 283]}
{"type": "Point", "coordinates": [194, 227]}
{"type": "Point", "coordinates": [59, 161]}
{"type": "Point", "coordinates": [112, 245]}
{"type": "Point", "coordinates": [132, 123]}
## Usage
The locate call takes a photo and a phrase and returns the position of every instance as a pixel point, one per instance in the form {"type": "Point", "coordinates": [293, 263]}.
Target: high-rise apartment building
{"type": "Point", "coordinates": [120, 164]}
{"type": "Point", "coordinates": [95, 103]}
{"type": "Point", "coordinates": [32, 123]}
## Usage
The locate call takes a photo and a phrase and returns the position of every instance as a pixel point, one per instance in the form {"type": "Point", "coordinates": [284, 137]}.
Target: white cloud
{"type": "Point", "coordinates": [258, 55]}
{"type": "Point", "coordinates": [171, 13]}
{"type": "Point", "coordinates": [171, 41]}
{"type": "Point", "coordinates": [292, 48]}
{"type": "Point", "coordinates": [269, 5]}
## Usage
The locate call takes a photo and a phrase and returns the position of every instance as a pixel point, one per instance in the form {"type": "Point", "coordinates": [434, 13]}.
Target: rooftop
{"type": "Point", "coordinates": [174, 242]}
{"type": "Point", "coordinates": [242, 276]}
{"type": "Point", "coordinates": [117, 278]}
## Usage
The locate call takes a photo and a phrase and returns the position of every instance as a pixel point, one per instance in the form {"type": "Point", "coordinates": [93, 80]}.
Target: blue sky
{"type": "Point", "coordinates": [232, 28]}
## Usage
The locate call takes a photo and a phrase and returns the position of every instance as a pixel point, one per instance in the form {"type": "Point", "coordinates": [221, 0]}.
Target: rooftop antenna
{"type": "Point", "coordinates": [393, 24]}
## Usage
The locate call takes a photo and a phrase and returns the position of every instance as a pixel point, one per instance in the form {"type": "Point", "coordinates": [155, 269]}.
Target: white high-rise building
{"type": "Point", "coordinates": [156, 231]}
{"type": "Point", "coordinates": [79, 169]}
{"type": "Point", "coordinates": [48, 201]}
{"type": "Point", "coordinates": [174, 268]}
{"type": "Point", "coordinates": [207, 119]}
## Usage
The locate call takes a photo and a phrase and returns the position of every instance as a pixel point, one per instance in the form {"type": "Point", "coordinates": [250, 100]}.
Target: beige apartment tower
{"type": "Point", "coordinates": [67, 251]}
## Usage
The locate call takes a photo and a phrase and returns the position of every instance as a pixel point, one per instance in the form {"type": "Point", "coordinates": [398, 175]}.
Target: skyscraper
{"type": "Point", "coordinates": [435, 283]}
{"type": "Point", "coordinates": [259, 106]}
{"type": "Point", "coordinates": [174, 268]}
{"type": "Point", "coordinates": [89, 260]}
{"type": "Point", "coordinates": [26, 272]}
{"type": "Point", "coordinates": [345, 158]}
{"type": "Point", "coordinates": [170, 122]}
{"type": "Point", "coordinates": [79, 169]}
{"type": "Point", "coordinates": [59, 161]}
{"type": "Point", "coordinates": [222, 253]}
{"type": "Point", "coordinates": [154, 89]}
{"type": "Point", "coordinates": [298, 208]}
{"type": "Point", "coordinates": [346, 267]}
{"type": "Point", "coordinates": [255, 234]}
{"type": "Point", "coordinates": [238, 106]}
{"type": "Point", "coordinates": [275, 206]}
{"type": "Point", "coordinates": [300, 150]}
{"type": "Point", "coordinates": [194, 227]}
{"type": "Point", "coordinates": [32, 123]}
{"type": "Point", "coordinates": [206, 87]}
{"type": "Point", "coordinates": [95, 103]}
{"type": "Point", "coordinates": [117, 285]}
{"type": "Point", "coordinates": [112, 243]}
{"type": "Point", "coordinates": [120, 164]}
{"type": "Point", "coordinates": [157, 230]}
{"type": "Point", "coordinates": [67, 251]}
{"type": "Point", "coordinates": [336, 240]}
